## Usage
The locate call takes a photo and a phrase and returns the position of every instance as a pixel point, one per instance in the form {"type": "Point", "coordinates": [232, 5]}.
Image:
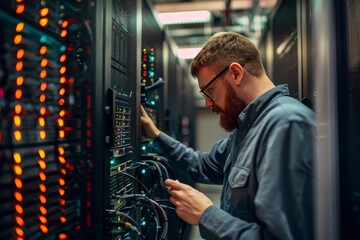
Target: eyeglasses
{"type": "Point", "coordinates": [202, 90]}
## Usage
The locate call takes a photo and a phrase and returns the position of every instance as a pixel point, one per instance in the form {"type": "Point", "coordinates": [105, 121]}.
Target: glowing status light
{"type": "Point", "coordinates": [17, 157]}
{"type": "Point", "coordinates": [112, 161]}
{"type": "Point", "coordinates": [63, 219]}
{"type": "Point", "coordinates": [42, 176]}
{"type": "Point", "coordinates": [17, 39]}
{"type": "Point", "coordinates": [43, 12]}
{"type": "Point", "coordinates": [20, 53]}
{"type": "Point", "coordinates": [61, 159]}
{"type": "Point", "coordinates": [42, 164]}
{"type": "Point", "coordinates": [42, 111]}
{"type": "Point", "coordinates": [143, 148]}
{"type": "Point", "coordinates": [18, 183]}
{"type": "Point", "coordinates": [44, 62]}
{"type": "Point", "coordinates": [19, 27]}
{"type": "Point", "coordinates": [43, 22]}
{"type": "Point", "coordinates": [17, 120]}
{"type": "Point", "coordinates": [62, 48]}
{"type": "Point", "coordinates": [43, 210]}
{"type": "Point", "coordinates": [18, 109]}
{"type": "Point", "coordinates": [43, 73]}
{"type": "Point", "coordinates": [61, 150]}
{"type": "Point", "coordinates": [42, 98]}
{"type": "Point", "coordinates": [43, 228]}
{"type": "Point", "coordinates": [19, 209]}
{"type": "Point", "coordinates": [18, 196]}
{"type": "Point", "coordinates": [63, 33]}
{"type": "Point", "coordinates": [17, 170]}
{"type": "Point", "coordinates": [65, 24]}
{"type": "Point", "coordinates": [43, 50]}
{"type": "Point", "coordinates": [17, 135]}
{"type": "Point", "coordinates": [42, 199]}
{"type": "Point", "coordinates": [19, 80]}
{"type": "Point", "coordinates": [143, 171]}
{"type": "Point", "coordinates": [152, 58]}
{"type": "Point", "coordinates": [41, 121]}
{"type": "Point", "coordinates": [43, 39]}
{"type": "Point", "coordinates": [62, 58]}
{"type": "Point", "coordinates": [19, 232]}
{"type": "Point", "coordinates": [62, 236]}
{"type": "Point", "coordinates": [42, 153]}
{"type": "Point", "coordinates": [19, 66]}
{"type": "Point", "coordinates": [19, 220]}
{"type": "Point", "coordinates": [43, 86]}
{"type": "Point", "coordinates": [20, 9]}
{"type": "Point", "coordinates": [152, 102]}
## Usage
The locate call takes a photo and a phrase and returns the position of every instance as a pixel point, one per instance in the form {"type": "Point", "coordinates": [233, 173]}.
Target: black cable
{"type": "Point", "coordinates": [137, 180]}
{"type": "Point", "coordinates": [156, 207]}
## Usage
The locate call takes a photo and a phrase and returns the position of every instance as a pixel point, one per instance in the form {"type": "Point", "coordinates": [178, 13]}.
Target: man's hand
{"type": "Point", "coordinates": [189, 202]}
{"type": "Point", "coordinates": [149, 130]}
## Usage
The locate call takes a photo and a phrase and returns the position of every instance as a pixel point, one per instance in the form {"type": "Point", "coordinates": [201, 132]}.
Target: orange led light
{"type": "Point", "coordinates": [64, 24]}
{"type": "Point", "coordinates": [62, 113]}
{"type": "Point", "coordinates": [61, 182]}
{"type": "Point", "coordinates": [42, 164]}
{"type": "Point", "coordinates": [43, 12]}
{"type": "Point", "coordinates": [19, 27]}
{"type": "Point", "coordinates": [42, 111]}
{"type": "Point", "coordinates": [61, 133]}
{"type": "Point", "coordinates": [43, 73]}
{"type": "Point", "coordinates": [19, 220]}
{"type": "Point", "coordinates": [42, 153]}
{"type": "Point", "coordinates": [62, 91]}
{"type": "Point", "coordinates": [19, 80]}
{"type": "Point", "coordinates": [43, 219]}
{"type": "Point", "coordinates": [18, 196]}
{"type": "Point", "coordinates": [17, 157]}
{"type": "Point", "coordinates": [62, 171]}
{"type": "Point", "coordinates": [19, 232]}
{"type": "Point", "coordinates": [42, 199]}
{"type": "Point", "coordinates": [62, 58]}
{"type": "Point", "coordinates": [62, 69]}
{"type": "Point", "coordinates": [62, 80]}
{"type": "Point", "coordinates": [43, 210]}
{"type": "Point", "coordinates": [43, 86]}
{"type": "Point", "coordinates": [17, 120]}
{"type": "Point", "coordinates": [61, 159]}
{"type": "Point", "coordinates": [20, 53]}
{"type": "Point", "coordinates": [44, 62]}
{"type": "Point", "coordinates": [19, 209]}
{"type": "Point", "coordinates": [43, 50]}
{"type": "Point", "coordinates": [19, 66]}
{"type": "Point", "coordinates": [61, 150]}
{"type": "Point", "coordinates": [62, 236]}
{"type": "Point", "coordinates": [17, 135]}
{"type": "Point", "coordinates": [42, 176]}
{"type": "Point", "coordinates": [43, 228]}
{"type": "Point", "coordinates": [18, 183]}
{"type": "Point", "coordinates": [63, 219]}
{"type": "Point", "coordinates": [17, 39]}
{"type": "Point", "coordinates": [61, 101]}
{"type": "Point", "coordinates": [42, 98]}
{"type": "Point", "coordinates": [60, 122]}
{"type": "Point", "coordinates": [41, 121]}
{"type": "Point", "coordinates": [63, 33]}
{"type": "Point", "coordinates": [20, 9]}
{"type": "Point", "coordinates": [17, 170]}
{"type": "Point", "coordinates": [18, 93]}
{"type": "Point", "coordinates": [62, 202]}
{"type": "Point", "coordinates": [42, 188]}
{"type": "Point", "coordinates": [42, 134]}
{"type": "Point", "coordinates": [43, 22]}
{"type": "Point", "coordinates": [17, 108]}
{"type": "Point", "coordinates": [61, 192]}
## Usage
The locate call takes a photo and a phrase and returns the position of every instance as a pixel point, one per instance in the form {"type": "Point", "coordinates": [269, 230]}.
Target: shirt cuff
{"type": "Point", "coordinates": [210, 221]}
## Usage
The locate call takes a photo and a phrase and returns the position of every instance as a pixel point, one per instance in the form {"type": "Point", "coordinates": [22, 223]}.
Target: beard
{"type": "Point", "coordinates": [229, 117]}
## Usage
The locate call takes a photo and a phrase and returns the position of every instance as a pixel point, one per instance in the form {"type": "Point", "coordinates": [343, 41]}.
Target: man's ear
{"type": "Point", "coordinates": [237, 72]}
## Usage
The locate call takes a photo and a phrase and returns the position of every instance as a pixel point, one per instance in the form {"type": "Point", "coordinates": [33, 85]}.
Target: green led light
{"type": "Point", "coordinates": [112, 161]}
{"type": "Point", "coordinates": [143, 171]}
{"type": "Point", "coordinates": [143, 148]}
{"type": "Point", "coordinates": [63, 48]}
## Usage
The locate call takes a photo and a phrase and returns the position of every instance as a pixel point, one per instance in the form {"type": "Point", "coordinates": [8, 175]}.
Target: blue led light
{"type": "Point", "coordinates": [143, 171]}
{"type": "Point", "coordinates": [63, 48]}
{"type": "Point", "coordinates": [43, 39]}
{"type": "Point", "coordinates": [143, 148]}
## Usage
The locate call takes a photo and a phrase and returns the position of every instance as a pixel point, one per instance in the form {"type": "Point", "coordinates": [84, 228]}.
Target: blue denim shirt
{"type": "Point", "coordinates": [265, 167]}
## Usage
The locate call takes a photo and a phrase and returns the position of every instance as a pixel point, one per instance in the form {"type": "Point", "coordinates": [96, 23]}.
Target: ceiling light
{"type": "Point", "coordinates": [188, 52]}
{"type": "Point", "coordinates": [184, 17]}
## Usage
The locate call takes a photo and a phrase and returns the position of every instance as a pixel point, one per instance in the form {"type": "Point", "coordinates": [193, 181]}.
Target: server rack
{"type": "Point", "coordinates": [46, 57]}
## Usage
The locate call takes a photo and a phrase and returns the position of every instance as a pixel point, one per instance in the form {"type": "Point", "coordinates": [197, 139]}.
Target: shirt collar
{"type": "Point", "coordinates": [252, 111]}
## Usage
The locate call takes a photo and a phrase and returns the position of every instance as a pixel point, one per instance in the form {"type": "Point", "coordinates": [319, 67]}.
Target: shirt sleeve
{"type": "Point", "coordinates": [202, 167]}
{"type": "Point", "coordinates": [284, 195]}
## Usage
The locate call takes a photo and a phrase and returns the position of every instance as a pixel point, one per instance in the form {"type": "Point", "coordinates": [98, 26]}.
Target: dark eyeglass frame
{"type": "Point", "coordinates": [202, 90]}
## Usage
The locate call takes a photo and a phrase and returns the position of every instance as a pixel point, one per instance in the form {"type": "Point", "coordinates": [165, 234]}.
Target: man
{"type": "Point", "coordinates": [265, 165]}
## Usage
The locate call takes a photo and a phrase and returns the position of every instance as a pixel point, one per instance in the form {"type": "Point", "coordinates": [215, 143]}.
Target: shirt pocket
{"type": "Point", "coordinates": [238, 176]}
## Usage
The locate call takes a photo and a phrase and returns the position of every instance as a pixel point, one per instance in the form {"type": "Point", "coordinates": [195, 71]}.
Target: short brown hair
{"type": "Point", "coordinates": [223, 48]}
